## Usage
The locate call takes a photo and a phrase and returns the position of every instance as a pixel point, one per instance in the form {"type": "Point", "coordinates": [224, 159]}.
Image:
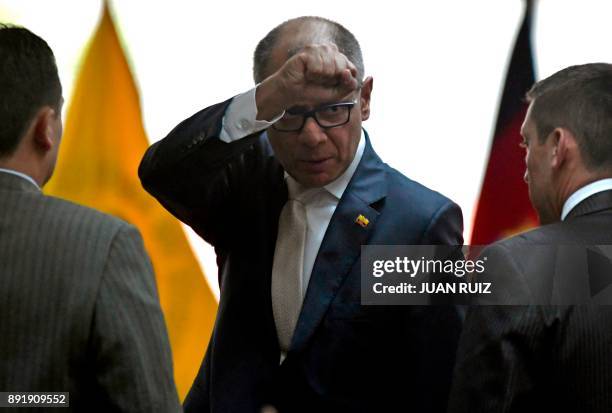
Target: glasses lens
{"type": "Point", "coordinates": [333, 115]}
{"type": "Point", "coordinates": [327, 117]}
{"type": "Point", "coordinates": [289, 122]}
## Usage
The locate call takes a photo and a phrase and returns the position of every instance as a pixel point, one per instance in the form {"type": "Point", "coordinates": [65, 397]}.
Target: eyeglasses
{"type": "Point", "coordinates": [328, 116]}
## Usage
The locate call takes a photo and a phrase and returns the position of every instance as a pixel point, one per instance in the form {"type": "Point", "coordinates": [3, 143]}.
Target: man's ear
{"type": "Point", "coordinates": [563, 146]}
{"type": "Point", "coordinates": [44, 129]}
{"type": "Point", "coordinates": [366, 92]}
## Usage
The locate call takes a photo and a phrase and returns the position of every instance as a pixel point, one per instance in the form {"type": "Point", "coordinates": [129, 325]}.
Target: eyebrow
{"type": "Point", "coordinates": [302, 108]}
{"type": "Point", "coordinates": [297, 109]}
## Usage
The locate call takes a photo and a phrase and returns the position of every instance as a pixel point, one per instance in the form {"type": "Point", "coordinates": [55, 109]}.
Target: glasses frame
{"type": "Point", "coordinates": [312, 114]}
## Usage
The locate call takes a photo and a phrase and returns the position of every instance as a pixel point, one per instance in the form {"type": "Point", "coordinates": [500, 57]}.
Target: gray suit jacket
{"type": "Point", "coordinates": [546, 358]}
{"type": "Point", "coordinates": [79, 310]}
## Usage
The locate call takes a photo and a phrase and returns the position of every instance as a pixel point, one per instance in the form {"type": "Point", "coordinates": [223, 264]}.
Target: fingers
{"type": "Point", "coordinates": [317, 74]}
{"type": "Point", "coordinates": [316, 67]}
{"type": "Point", "coordinates": [348, 81]}
{"type": "Point", "coordinates": [324, 65]}
{"type": "Point", "coordinates": [345, 67]}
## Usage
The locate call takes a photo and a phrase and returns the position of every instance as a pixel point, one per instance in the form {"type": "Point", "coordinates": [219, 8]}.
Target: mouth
{"type": "Point", "coordinates": [316, 165]}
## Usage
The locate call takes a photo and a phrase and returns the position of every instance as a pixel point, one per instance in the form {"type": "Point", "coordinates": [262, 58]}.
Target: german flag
{"type": "Point", "coordinates": [503, 208]}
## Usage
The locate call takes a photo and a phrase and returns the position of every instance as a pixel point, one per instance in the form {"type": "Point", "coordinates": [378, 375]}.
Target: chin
{"type": "Point", "coordinates": [322, 180]}
{"type": "Point", "coordinates": [311, 180]}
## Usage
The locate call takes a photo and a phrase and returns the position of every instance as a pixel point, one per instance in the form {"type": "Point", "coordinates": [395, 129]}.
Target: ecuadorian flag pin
{"type": "Point", "coordinates": [362, 221]}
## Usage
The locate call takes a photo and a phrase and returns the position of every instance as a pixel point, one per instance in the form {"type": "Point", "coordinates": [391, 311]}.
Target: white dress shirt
{"type": "Point", "coordinates": [240, 118]}
{"type": "Point", "coordinates": [240, 121]}
{"type": "Point", "coordinates": [21, 175]}
{"type": "Point", "coordinates": [583, 193]}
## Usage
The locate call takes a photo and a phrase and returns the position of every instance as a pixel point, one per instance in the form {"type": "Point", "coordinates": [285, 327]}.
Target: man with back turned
{"type": "Point", "coordinates": [285, 184]}
{"type": "Point", "coordinates": [553, 355]}
{"type": "Point", "coordinates": [79, 311]}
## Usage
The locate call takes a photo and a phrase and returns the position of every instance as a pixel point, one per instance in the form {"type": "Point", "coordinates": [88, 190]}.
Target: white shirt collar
{"type": "Point", "coordinates": [338, 186]}
{"type": "Point", "coordinates": [21, 175]}
{"type": "Point", "coordinates": [583, 193]}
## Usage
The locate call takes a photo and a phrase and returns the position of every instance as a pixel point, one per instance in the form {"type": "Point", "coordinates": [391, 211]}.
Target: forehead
{"type": "Point", "coordinates": [528, 126]}
{"type": "Point", "coordinates": [293, 37]}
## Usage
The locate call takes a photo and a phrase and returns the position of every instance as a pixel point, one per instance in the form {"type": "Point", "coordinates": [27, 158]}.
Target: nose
{"type": "Point", "coordinates": [311, 134]}
{"type": "Point", "coordinates": [526, 177]}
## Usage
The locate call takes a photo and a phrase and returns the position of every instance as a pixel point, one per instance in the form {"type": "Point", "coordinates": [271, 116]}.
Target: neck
{"type": "Point", "coordinates": [29, 168]}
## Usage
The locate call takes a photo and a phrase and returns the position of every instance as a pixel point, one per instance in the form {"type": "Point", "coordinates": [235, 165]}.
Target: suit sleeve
{"type": "Point", "coordinates": [445, 227]}
{"type": "Point", "coordinates": [445, 230]}
{"type": "Point", "coordinates": [133, 361]}
{"type": "Point", "coordinates": [202, 180]}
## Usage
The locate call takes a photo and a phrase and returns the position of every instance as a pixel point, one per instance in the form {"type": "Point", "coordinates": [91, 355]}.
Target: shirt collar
{"type": "Point", "coordinates": [583, 193]}
{"type": "Point", "coordinates": [338, 186]}
{"type": "Point", "coordinates": [21, 175]}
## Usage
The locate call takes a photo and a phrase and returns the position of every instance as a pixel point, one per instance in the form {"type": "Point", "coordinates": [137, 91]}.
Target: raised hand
{"type": "Point", "coordinates": [317, 74]}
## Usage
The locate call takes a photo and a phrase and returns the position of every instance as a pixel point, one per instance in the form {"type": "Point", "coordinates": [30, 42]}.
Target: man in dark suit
{"type": "Point", "coordinates": [555, 357]}
{"type": "Point", "coordinates": [284, 182]}
{"type": "Point", "coordinates": [79, 310]}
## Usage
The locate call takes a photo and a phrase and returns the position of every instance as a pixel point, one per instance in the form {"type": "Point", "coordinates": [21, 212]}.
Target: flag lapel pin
{"type": "Point", "coordinates": [362, 221]}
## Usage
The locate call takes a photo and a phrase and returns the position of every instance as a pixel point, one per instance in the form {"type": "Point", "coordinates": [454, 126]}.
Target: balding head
{"type": "Point", "coordinates": [290, 37]}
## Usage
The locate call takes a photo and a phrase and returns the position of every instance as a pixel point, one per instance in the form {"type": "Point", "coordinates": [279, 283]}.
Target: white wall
{"type": "Point", "coordinates": [437, 65]}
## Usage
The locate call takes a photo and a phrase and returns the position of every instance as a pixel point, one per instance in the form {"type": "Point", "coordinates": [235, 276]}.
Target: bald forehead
{"type": "Point", "coordinates": [294, 36]}
{"type": "Point", "coordinates": [299, 33]}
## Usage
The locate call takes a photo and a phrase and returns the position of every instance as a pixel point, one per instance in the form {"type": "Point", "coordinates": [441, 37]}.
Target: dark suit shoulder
{"type": "Point", "coordinates": [586, 230]}
{"type": "Point", "coordinates": [542, 235]}
{"type": "Point", "coordinates": [412, 192]}
{"type": "Point", "coordinates": [420, 214]}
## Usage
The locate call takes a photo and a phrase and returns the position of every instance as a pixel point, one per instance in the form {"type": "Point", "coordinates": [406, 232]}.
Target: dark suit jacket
{"type": "Point", "coordinates": [547, 358]}
{"type": "Point", "coordinates": [79, 310]}
{"type": "Point", "coordinates": [344, 357]}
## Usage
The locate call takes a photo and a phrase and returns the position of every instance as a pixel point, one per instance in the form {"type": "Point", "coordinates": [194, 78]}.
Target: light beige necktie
{"type": "Point", "coordinates": [288, 265]}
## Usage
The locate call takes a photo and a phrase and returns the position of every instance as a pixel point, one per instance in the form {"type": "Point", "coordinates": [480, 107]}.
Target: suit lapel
{"type": "Point", "coordinates": [342, 242]}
